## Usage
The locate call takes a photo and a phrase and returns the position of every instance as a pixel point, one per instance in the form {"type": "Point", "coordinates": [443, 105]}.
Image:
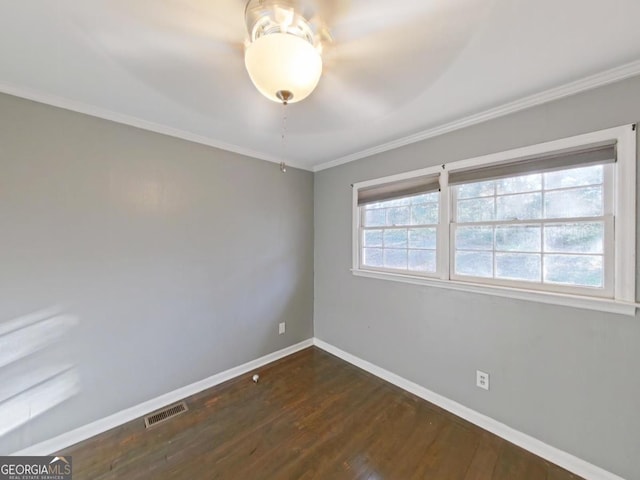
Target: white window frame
{"type": "Point", "coordinates": [620, 299]}
{"type": "Point", "coordinates": [361, 231]}
{"type": "Point", "coordinates": [358, 230]}
{"type": "Point", "coordinates": [609, 245]}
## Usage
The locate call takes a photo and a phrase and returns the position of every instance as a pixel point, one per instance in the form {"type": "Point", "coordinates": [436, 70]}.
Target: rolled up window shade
{"type": "Point", "coordinates": [398, 189]}
{"type": "Point", "coordinates": [594, 155]}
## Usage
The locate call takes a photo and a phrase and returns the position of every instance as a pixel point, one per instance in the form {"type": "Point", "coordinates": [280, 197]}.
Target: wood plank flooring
{"type": "Point", "coordinates": [311, 416]}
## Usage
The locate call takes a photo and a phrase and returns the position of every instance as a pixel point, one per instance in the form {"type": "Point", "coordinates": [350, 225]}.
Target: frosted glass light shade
{"type": "Point", "coordinates": [283, 62]}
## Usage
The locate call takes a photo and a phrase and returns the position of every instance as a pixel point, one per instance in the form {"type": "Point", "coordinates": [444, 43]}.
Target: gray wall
{"type": "Point", "coordinates": [178, 260]}
{"type": "Point", "coordinates": [565, 376]}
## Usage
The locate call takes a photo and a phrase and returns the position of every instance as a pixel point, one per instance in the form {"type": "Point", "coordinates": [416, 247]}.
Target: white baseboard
{"type": "Point", "coordinates": [533, 445]}
{"type": "Point", "coordinates": [87, 431]}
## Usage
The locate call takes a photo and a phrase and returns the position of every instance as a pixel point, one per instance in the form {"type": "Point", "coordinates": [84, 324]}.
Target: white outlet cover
{"type": "Point", "coordinates": [281, 328]}
{"type": "Point", "coordinates": [482, 380]}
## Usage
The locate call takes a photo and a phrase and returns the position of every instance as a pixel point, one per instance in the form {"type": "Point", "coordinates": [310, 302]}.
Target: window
{"type": "Point", "coordinates": [401, 234]}
{"type": "Point", "coordinates": [553, 218]}
{"type": "Point", "coordinates": [400, 225]}
{"type": "Point", "coordinates": [551, 229]}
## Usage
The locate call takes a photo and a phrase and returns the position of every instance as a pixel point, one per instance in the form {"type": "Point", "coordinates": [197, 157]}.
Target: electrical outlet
{"type": "Point", "coordinates": [482, 380]}
{"type": "Point", "coordinates": [281, 328]}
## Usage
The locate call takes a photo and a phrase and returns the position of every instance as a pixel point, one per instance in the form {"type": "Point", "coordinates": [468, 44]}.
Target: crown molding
{"type": "Point", "coordinates": [94, 111]}
{"type": "Point", "coordinates": [607, 77]}
{"type": "Point", "coordinates": [594, 81]}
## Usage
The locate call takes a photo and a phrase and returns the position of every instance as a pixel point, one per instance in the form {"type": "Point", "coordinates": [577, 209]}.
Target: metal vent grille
{"type": "Point", "coordinates": [165, 414]}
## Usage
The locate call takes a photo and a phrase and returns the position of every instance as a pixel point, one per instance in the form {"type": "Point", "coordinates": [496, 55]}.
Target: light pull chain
{"type": "Point", "coordinates": [283, 166]}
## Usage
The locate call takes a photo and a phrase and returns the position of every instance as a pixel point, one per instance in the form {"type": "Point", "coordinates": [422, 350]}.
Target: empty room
{"type": "Point", "coordinates": [319, 239]}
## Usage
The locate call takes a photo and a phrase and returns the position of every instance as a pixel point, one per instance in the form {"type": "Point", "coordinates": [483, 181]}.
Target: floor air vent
{"type": "Point", "coordinates": [165, 414]}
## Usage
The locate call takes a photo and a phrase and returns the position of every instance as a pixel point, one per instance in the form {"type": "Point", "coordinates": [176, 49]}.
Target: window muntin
{"type": "Point", "coordinates": [544, 230]}
{"type": "Point", "coordinates": [401, 234]}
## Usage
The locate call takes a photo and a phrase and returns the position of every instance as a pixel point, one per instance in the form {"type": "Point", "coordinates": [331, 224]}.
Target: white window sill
{"type": "Point", "coordinates": [575, 301]}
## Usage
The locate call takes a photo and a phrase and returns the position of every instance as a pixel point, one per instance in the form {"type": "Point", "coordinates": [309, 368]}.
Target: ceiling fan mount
{"type": "Point", "coordinates": [299, 18]}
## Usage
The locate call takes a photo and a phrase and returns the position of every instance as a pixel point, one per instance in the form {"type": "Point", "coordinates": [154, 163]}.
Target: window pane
{"type": "Point", "coordinates": [384, 245]}
{"type": "Point", "coordinates": [476, 210]}
{"type": "Point", "coordinates": [480, 189]}
{"type": "Point", "coordinates": [474, 263]}
{"type": "Point", "coordinates": [525, 183]}
{"type": "Point", "coordinates": [432, 197]}
{"type": "Point", "coordinates": [574, 238]}
{"type": "Point", "coordinates": [525, 238]}
{"type": "Point", "coordinates": [422, 260]}
{"type": "Point", "coordinates": [373, 238]}
{"type": "Point", "coordinates": [374, 206]}
{"type": "Point", "coordinates": [474, 238]}
{"type": "Point", "coordinates": [520, 207]}
{"type": "Point", "coordinates": [576, 177]}
{"type": "Point", "coordinates": [398, 202]}
{"type": "Point", "coordinates": [395, 258]}
{"type": "Point", "coordinates": [422, 238]}
{"type": "Point", "coordinates": [398, 216]}
{"type": "Point", "coordinates": [426, 214]}
{"type": "Point", "coordinates": [579, 202]}
{"type": "Point", "coordinates": [517, 266]}
{"type": "Point", "coordinates": [372, 257]}
{"type": "Point", "coordinates": [582, 270]}
{"type": "Point", "coordinates": [375, 218]}
{"type": "Point", "coordinates": [395, 238]}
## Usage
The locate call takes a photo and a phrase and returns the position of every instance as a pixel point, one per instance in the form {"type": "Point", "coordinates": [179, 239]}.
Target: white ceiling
{"type": "Point", "coordinates": [395, 68]}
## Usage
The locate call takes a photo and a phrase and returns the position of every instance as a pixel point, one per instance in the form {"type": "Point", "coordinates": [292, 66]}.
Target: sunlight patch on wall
{"type": "Point", "coordinates": [26, 394]}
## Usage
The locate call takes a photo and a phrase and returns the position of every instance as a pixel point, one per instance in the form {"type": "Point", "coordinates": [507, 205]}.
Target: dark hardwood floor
{"type": "Point", "coordinates": [311, 416]}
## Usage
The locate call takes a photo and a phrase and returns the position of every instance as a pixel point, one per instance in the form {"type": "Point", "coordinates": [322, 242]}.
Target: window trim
{"type": "Point", "coordinates": [624, 210]}
{"type": "Point", "coordinates": [362, 230]}
{"type": "Point", "coordinates": [608, 254]}
{"type": "Point", "coordinates": [357, 220]}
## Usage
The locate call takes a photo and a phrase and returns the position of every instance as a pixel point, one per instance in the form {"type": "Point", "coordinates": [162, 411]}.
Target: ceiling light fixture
{"type": "Point", "coordinates": [283, 54]}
